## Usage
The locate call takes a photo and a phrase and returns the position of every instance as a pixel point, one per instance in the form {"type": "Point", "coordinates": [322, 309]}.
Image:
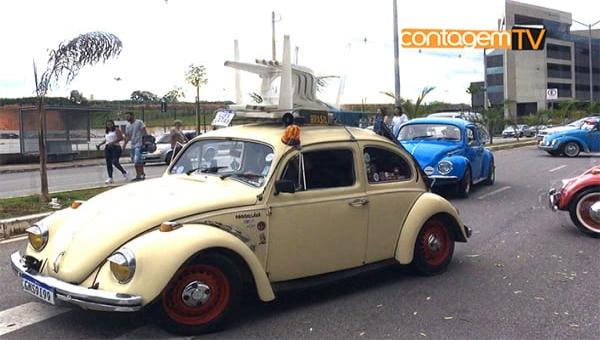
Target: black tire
{"type": "Point", "coordinates": [571, 149]}
{"type": "Point", "coordinates": [491, 178]}
{"type": "Point", "coordinates": [463, 188]}
{"type": "Point", "coordinates": [169, 157]}
{"type": "Point", "coordinates": [434, 248]}
{"type": "Point", "coordinates": [553, 153]}
{"type": "Point", "coordinates": [579, 211]}
{"type": "Point", "coordinates": [217, 279]}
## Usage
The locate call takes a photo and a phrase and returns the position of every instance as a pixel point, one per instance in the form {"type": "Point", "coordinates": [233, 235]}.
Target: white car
{"type": "Point", "coordinates": [573, 125]}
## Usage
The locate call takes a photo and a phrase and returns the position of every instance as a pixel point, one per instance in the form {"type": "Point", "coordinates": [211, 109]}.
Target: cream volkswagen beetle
{"type": "Point", "coordinates": [242, 209]}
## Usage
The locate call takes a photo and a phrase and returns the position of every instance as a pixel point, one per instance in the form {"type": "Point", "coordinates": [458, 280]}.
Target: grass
{"type": "Point", "coordinates": [27, 205]}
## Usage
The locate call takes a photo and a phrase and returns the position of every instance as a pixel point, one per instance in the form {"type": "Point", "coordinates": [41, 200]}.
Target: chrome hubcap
{"type": "Point", "coordinates": [433, 242]}
{"type": "Point", "coordinates": [595, 212]}
{"type": "Point", "coordinates": [195, 293]}
{"type": "Point", "coordinates": [571, 149]}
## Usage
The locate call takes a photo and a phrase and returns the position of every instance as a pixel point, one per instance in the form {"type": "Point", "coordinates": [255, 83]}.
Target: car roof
{"type": "Point", "coordinates": [271, 133]}
{"type": "Point", "coordinates": [461, 123]}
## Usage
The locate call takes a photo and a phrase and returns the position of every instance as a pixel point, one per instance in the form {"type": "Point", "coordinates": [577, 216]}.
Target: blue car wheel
{"type": "Point", "coordinates": [464, 187]}
{"type": "Point", "coordinates": [571, 149]}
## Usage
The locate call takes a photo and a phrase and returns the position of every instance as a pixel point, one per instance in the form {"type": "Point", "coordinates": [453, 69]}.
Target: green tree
{"type": "Point", "coordinates": [65, 62]}
{"type": "Point", "coordinates": [173, 95]}
{"type": "Point", "coordinates": [77, 97]}
{"type": "Point", "coordinates": [196, 76]}
{"type": "Point", "coordinates": [143, 96]}
{"type": "Point", "coordinates": [411, 110]}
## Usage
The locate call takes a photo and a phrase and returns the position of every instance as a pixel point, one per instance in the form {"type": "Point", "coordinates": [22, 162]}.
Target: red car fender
{"type": "Point", "coordinates": [589, 178]}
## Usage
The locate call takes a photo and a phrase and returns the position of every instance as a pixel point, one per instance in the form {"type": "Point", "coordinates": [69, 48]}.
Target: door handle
{"type": "Point", "coordinates": [359, 202]}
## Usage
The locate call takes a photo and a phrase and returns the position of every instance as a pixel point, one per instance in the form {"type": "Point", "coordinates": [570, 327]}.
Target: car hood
{"type": "Point", "coordinates": [567, 132]}
{"type": "Point", "coordinates": [429, 152]}
{"type": "Point", "coordinates": [101, 225]}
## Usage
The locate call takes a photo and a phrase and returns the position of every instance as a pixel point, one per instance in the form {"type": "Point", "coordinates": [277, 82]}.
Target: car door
{"type": "Point", "coordinates": [474, 150]}
{"type": "Point", "coordinates": [322, 227]}
{"type": "Point", "coordinates": [594, 139]}
{"type": "Point", "coordinates": [391, 191]}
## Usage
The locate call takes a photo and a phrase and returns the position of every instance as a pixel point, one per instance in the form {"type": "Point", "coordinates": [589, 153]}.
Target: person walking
{"type": "Point", "coordinates": [134, 133]}
{"type": "Point", "coordinates": [399, 119]}
{"type": "Point", "coordinates": [382, 112]}
{"type": "Point", "coordinates": [112, 150]}
{"type": "Point", "coordinates": [177, 135]}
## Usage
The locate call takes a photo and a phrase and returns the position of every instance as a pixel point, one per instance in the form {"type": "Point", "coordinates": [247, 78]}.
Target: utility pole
{"type": "Point", "coordinates": [589, 26]}
{"type": "Point", "coordinates": [297, 49]}
{"type": "Point", "coordinates": [273, 35]}
{"type": "Point", "coordinates": [396, 56]}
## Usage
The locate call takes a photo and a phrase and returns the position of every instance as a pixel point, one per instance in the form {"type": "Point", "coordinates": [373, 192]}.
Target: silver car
{"type": "Point", "coordinates": [164, 152]}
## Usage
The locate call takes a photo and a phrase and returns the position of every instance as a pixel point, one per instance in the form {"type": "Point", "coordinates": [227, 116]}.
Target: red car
{"type": "Point", "coordinates": [581, 197]}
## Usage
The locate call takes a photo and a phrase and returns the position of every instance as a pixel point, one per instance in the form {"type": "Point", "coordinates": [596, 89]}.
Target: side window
{"type": "Point", "coordinates": [322, 169]}
{"type": "Point", "coordinates": [471, 137]}
{"type": "Point", "coordinates": [331, 168]}
{"type": "Point", "coordinates": [385, 166]}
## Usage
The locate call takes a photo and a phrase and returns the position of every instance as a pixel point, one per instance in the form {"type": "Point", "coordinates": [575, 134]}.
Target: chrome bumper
{"type": "Point", "coordinates": [86, 298]}
{"type": "Point", "coordinates": [553, 198]}
{"type": "Point", "coordinates": [443, 177]}
{"type": "Point", "coordinates": [546, 147]}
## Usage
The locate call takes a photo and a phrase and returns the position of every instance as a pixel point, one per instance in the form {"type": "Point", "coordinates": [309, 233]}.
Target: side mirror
{"type": "Point", "coordinates": [284, 185]}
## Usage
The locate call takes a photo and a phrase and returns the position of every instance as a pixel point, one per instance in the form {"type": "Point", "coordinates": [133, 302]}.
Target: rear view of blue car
{"type": "Point", "coordinates": [451, 152]}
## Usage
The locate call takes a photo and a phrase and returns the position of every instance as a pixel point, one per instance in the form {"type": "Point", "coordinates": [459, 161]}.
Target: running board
{"type": "Point", "coordinates": [318, 280]}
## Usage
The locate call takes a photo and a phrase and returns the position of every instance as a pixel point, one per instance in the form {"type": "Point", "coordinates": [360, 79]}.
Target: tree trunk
{"type": "Point", "coordinates": [44, 194]}
{"type": "Point", "coordinates": [198, 110]}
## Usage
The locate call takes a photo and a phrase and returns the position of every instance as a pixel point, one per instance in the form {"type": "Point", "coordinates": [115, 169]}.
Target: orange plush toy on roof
{"type": "Point", "coordinates": [291, 136]}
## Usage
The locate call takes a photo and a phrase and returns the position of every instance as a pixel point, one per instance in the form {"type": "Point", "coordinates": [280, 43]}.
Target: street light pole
{"type": "Point", "coordinates": [590, 56]}
{"type": "Point", "coordinates": [273, 35]}
{"type": "Point", "coordinates": [396, 57]}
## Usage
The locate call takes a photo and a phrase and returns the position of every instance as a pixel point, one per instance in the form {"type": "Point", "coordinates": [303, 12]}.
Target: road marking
{"type": "Point", "coordinates": [15, 239]}
{"type": "Point", "coordinates": [147, 332]}
{"type": "Point", "coordinates": [24, 315]}
{"type": "Point", "coordinates": [557, 168]}
{"type": "Point", "coordinates": [494, 192]}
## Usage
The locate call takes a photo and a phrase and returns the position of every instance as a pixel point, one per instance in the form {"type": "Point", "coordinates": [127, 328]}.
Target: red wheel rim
{"type": "Point", "coordinates": [208, 276]}
{"type": "Point", "coordinates": [584, 211]}
{"type": "Point", "coordinates": [435, 243]}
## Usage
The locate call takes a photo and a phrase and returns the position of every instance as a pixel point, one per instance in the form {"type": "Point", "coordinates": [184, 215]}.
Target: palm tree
{"type": "Point", "coordinates": [424, 92]}
{"type": "Point", "coordinates": [66, 61]}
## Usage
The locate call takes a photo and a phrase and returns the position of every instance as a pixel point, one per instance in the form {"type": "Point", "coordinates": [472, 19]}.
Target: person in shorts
{"type": "Point", "coordinates": [134, 133]}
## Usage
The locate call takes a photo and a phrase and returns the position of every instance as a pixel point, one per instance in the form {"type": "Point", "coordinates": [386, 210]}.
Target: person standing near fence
{"type": "Point", "coordinates": [134, 132]}
{"type": "Point", "coordinates": [112, 150]}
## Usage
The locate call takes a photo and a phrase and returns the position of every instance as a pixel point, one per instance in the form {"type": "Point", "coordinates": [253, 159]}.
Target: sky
{"type": "Point", "coordinates": [349, 38]}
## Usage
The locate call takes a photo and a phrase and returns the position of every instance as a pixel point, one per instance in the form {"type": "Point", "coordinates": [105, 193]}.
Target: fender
{"type": "Point", "coordinates": [425, 207]}
{"type": "Point", "coordinates": [459, 163]}
{"type": "Point", "coordinates": [560, 142]}
{"type": "Point", "coordinates": [487, 157]}
{"type": "Point", "coordinates": [159, 255]}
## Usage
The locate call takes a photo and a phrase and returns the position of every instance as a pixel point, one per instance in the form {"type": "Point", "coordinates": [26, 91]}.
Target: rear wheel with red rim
{"type": "Point", "coordinates": [434, 247]}
{"type": "Point", "coordinates": [201, 296]}
{"type": "Point", "coordinates": [584, 210]}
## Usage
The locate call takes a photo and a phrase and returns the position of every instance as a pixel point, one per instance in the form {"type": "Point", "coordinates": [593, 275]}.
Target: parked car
{"type": "Point", "coordinates": [8, 135]}
{"type": "Point", "coordinates": [450, 152]}
{"type": "Point", "coordinates": [510, 131]}
{"type": "Point", "coordinates": [240, 211]}
{"type": "Point", "coordinates": [554, 129]}
{"type": "Point", "coordinates": [580, 196]}
{"type": "Point", "coordinates": [525, 130]}
{"type": "Point", "coordinates": [574, 141]}
{"type": "Point", "coordinates": [164, 152]}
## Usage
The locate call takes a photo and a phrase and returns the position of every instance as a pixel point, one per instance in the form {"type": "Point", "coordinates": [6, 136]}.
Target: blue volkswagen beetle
{"type": "Point", "coordinates": [451, 152]}
{"type": "Point", "coordinates": [571, 142]}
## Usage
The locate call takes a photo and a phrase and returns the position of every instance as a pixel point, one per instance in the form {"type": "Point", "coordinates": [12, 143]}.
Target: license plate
{"type": "Point", "coordinates": [37, 289]}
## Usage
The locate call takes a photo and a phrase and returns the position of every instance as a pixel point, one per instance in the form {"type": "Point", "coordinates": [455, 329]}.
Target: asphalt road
{"type": "Point", "coordinates": [27, 183]}
{"type": "Point", "coordinates": [526, 273]}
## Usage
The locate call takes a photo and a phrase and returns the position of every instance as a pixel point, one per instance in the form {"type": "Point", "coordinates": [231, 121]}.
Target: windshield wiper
{"type": "Point", "coordinates": [244, 175]}
{"type": "Point", "coordinates": [209, 170]}
{"type": "Point", "coordinates": [424, 136]}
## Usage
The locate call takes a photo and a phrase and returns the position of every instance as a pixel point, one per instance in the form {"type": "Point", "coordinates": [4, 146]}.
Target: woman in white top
{"type": "Point", "coordinates": [112, 150]}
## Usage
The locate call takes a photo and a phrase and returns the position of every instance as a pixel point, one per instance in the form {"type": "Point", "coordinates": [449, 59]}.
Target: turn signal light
{"type": "Point", "coordinates": [76, 204]}
{"type": "Point", "coordinates": [169, 226]}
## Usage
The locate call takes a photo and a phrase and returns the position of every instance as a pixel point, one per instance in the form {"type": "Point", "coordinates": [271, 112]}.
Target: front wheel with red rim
{"type": "Point", "coordinates": [201, 296]}
{"type": "Point", "coordinates": [584, 210]}
{"type": "Point", "coordinates": [433, 248]}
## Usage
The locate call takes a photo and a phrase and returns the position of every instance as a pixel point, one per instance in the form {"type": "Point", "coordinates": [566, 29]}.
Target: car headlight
{"type": "Point", "coordinates": [553, 142]}
{"type": "Point", "coordinates": [428, 170]}
{"type": "Point", "coordinates": [38, 236]}
{"type": "Point", "coordinates": [444, 167]}
{"type": "Point", "coordinates": [122, 265]}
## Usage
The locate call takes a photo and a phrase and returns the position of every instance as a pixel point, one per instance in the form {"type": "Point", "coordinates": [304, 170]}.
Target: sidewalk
{"type": "Point", "coordinates": [16, 168]}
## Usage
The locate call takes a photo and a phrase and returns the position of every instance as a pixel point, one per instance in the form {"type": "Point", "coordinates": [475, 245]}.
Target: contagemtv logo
{"type": "Point", "coordinates": [517, 38]}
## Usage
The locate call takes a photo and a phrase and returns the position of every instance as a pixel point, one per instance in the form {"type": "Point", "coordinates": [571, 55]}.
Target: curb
{"type": "Point", "coordinates": [60, 166]}
{"type": "Point", "coordinates": [511, 145]}
{"type": "Point", "coordinates": [17, 225]}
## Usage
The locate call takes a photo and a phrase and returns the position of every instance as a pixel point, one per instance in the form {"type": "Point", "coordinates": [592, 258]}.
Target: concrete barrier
{"type": "Point", "coordinates": [17, 225]}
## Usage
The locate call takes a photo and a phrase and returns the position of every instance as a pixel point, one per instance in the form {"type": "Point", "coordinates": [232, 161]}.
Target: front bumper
{"type": "Point", "coordinates": [553, 199]}
{"type": "Point", "coordinates": [436, 180]}
{"type": "Point", "coordinates": [86, 298]}
{"type": "Point", "coordinates": [546, 147]}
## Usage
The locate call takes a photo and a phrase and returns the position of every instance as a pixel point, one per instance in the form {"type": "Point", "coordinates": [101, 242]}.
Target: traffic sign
{"type": "Point", "coordinates": [552, 94]}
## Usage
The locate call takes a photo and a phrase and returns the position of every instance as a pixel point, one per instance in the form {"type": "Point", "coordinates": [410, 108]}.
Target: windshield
{"type": "Point", "coordinates": [430, 132]}
{"type": "Point", "coordinates": [163, 139]}
{"type": "Point", "coordinates": [246, 161]}
{"type": "Point", "coordinates": [588, 125]}
{"type": "Point", "coordinates": [577, 123]}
